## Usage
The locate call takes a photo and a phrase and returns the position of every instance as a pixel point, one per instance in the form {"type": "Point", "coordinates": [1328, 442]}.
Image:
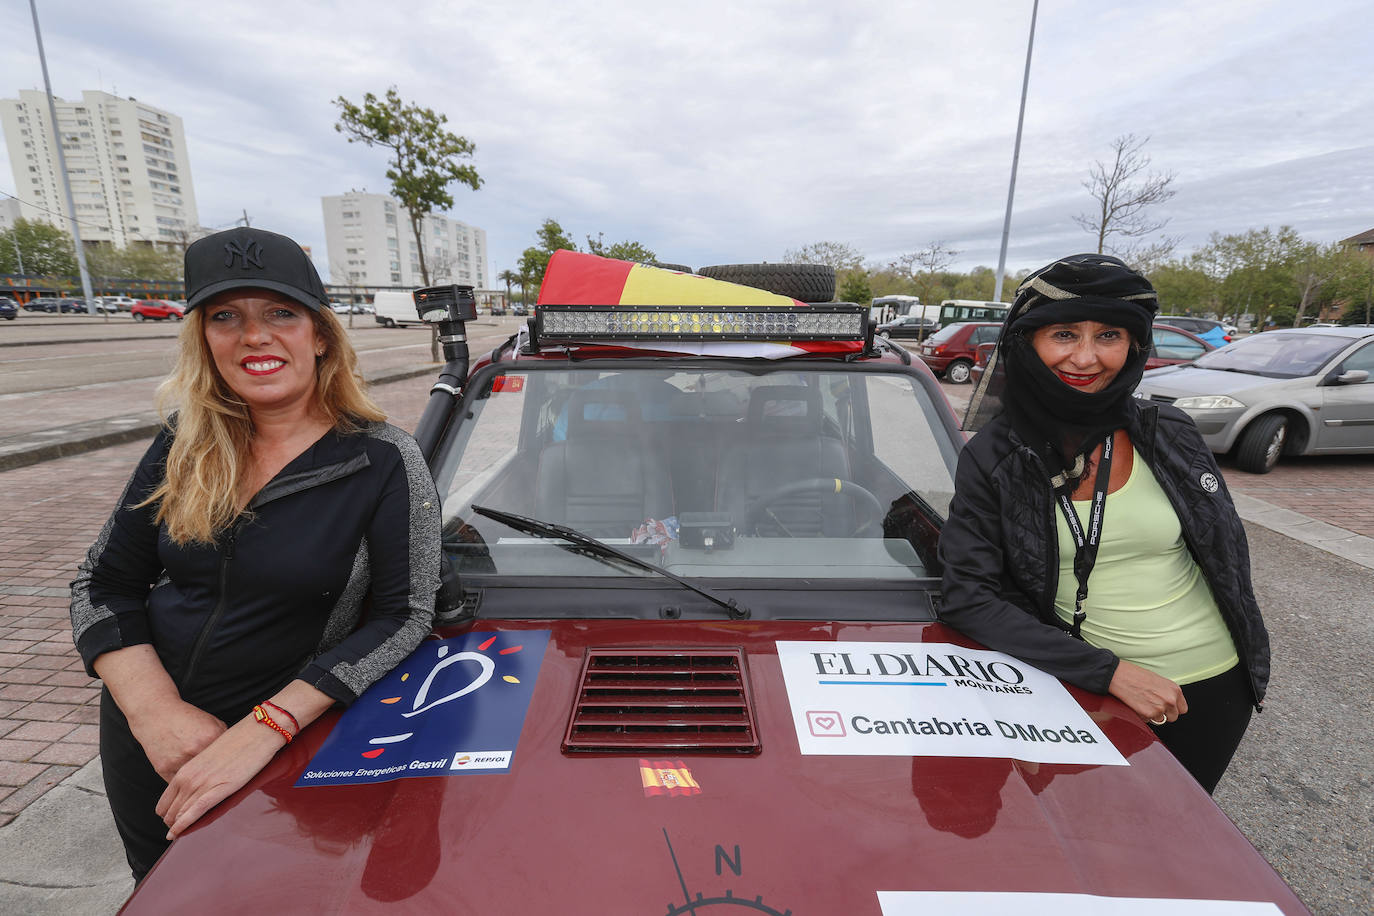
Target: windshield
{"type": "Point", "coordinates": [1276, 354]}
{"type": "Point", "coordinates": [709, 472]}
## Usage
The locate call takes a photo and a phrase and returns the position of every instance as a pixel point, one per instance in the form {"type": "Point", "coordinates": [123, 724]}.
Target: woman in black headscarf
{"type": "Point", "coordinates": [1091, 534]}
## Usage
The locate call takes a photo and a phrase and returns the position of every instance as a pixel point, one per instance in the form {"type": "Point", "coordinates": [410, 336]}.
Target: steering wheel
{"type": "Point", "coordinates": [867, 507]}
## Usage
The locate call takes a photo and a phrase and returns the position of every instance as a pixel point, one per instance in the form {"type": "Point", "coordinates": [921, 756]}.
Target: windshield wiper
{"type": "Point", "coordinates": [589, 546]}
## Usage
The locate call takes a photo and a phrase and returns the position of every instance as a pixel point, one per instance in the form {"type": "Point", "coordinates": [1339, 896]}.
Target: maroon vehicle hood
{"type": "Point", "coordinates": [768, 832]}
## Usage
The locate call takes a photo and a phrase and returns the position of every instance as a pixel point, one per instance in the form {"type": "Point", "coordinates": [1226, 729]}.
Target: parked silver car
{"type": "Point", "coordinates": [1304, 391]}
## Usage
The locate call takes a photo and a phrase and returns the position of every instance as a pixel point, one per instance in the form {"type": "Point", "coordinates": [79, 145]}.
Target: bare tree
{"type": "Point", "coordinates": [1123, 195]}
{"type": "Point", "coordinates": [923, 264]}
{"type": "Point", "coordinates": [839, 255]}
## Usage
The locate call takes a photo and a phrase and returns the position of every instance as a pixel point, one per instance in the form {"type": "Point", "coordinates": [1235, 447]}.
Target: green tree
{"type": "Point", "coordinates": [508, 277]}
{"type": "Point", "coordinates": [535, 259]}
{"type": "Point", "coordinates": [622, 251]}
{"type": "Point", "coordinates": [1183, 289]}
{"type": "Point", "coordinates": [45, 250]}
{"type": "Point", "coordinates": [1254, 270]}
{"type": "Point", "coordinates": [425, 156]}
{"type": "Point", "coordinates": [979, 283]}
{"type": "Point", "coordinates": [1353, 287]}
{"type": "Point", "coordinates": [855, 287]}
{"type": "Point", "coordinates": [135, 262]}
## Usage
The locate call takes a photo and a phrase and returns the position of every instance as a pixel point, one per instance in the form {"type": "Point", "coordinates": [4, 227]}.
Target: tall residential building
{"type": "Point", "coordinates": [130, 176]}
{"type": "Point", "coordinates": [9, 212]}
{"type": "Point", "coordinates": [370, 243]}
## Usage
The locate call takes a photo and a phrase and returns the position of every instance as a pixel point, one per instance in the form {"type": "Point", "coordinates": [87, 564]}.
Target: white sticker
{"type": "Point", "coordinates": [481, 760]}
{"type": "Point", "coordinates": [933, 700]}
{"type": "Point", "coordinates": [979, 903]}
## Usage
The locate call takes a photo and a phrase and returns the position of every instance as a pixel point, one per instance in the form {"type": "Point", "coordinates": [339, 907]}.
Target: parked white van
{"type": "Point", "coordinates": [395, 308]}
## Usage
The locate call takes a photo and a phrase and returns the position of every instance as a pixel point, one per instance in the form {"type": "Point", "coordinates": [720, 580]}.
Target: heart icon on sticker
{"type": "Point", "coordinates": [825, 723]}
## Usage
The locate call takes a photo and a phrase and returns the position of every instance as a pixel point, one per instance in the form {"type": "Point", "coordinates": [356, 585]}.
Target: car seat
{"type": "Point", "coordinates": [606, 477]}
{"type": "Point", "coordinates": [785, 442]}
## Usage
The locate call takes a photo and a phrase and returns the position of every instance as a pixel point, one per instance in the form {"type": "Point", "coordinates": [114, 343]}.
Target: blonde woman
{"type": "Point", "coordinates": [221, 603]}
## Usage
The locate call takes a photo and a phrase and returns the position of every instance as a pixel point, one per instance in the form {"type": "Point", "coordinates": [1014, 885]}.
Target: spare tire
{"type": "Point", "coordinates": [680, 268]}
{"type": "Point", "coordinates": [807, 282]}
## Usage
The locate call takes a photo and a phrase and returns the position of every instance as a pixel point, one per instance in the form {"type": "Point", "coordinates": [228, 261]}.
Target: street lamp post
{"type": "Point", "coordinates": [1015, 157]}
{"type": "Point", "coordinates": [62, 166]}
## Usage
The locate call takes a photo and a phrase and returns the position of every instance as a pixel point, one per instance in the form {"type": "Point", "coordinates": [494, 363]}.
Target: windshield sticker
{"type": "Point", "coordinates": [980, 903]}
{"type": "Point", "coordinates": [667, 777]}
{"type": "Point", "coordinates": [454, 706]}
{"type": "Point", "coordinates": [933, 700]}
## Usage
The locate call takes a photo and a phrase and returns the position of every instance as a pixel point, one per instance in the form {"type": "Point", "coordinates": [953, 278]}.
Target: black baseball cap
{"type": "Point", "coordinates": [251, 258]}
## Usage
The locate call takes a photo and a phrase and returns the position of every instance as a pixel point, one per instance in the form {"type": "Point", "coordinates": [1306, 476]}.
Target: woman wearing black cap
{"type": "Point", "coordinates": [221, 604]}
{"type": "Point", "coordinates": [1091, 534]}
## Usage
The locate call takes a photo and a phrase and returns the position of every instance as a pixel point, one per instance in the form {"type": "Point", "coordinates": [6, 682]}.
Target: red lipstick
{"type": "Point", "coordinates": [1078, 381]}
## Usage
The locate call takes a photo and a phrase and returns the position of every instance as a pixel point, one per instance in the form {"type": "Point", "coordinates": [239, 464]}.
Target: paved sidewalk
{"type": "Point", "coordinates": [58, 850]}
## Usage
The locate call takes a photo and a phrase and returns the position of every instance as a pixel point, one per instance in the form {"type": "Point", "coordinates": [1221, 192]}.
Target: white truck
{"type": "Point", "coordinates": [396, 309]}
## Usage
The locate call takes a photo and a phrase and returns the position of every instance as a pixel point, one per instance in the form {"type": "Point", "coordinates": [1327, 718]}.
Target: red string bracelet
{"type": "Point", "coordinates": [261, 715]}
{"type": "Point", "coordinates": [294, 724]}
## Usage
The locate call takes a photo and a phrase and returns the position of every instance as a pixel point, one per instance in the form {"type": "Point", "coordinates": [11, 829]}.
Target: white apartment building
{"type": "Point", "coordinates": [130, 175]}
{"type": "Point", "coordinates": [369, 243]}
{"type": "Point", "coordinates": [9, 212]}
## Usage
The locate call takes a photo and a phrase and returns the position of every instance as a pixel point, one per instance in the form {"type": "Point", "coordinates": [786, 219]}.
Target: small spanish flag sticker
{"type": "Point", "coordinates": [667, 777]}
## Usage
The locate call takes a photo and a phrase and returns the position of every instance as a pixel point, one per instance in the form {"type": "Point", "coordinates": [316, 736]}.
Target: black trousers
{"type": "Point", "coordinates": [1205, 738]}
{"type": "Point", "coordinates": [133, 788]}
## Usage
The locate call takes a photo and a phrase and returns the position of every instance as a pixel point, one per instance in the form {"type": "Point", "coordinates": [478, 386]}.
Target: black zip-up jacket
{"type": "Point", "coordinates": [280, 594]}
{"type": "Point", "coordinates": [1000, 547]}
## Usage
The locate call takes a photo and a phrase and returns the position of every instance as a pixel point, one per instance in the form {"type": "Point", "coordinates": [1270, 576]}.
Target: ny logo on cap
{"type": "Point", "coordinates": [249, 251]}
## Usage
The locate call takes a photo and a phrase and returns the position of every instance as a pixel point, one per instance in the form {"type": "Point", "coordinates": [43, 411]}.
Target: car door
{"type": "Point", "coordinates": [906, 327]}
{"type": "Point", "coordinates": [1347, 414]}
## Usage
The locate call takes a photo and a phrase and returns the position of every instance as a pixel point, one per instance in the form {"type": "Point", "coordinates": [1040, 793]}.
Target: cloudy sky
{"type": "Point", "coordinates": [724, 132]}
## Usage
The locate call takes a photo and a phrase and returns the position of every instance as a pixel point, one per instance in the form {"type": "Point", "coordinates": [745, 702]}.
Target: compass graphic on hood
{"type": "Point", "coordinates": [718, 905]}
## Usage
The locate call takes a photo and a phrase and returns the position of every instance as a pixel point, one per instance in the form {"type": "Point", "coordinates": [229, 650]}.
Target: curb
{"type": "Point", "coordinates": [1347, 545]}
{"type": "Point", "coordinates": [47, 444]}
{"type": "Point", "coordinates": [77, 340]}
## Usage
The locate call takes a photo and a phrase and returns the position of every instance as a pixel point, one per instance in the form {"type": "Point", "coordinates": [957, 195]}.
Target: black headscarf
{"type": "Point", "coordinates": [1059, 421]}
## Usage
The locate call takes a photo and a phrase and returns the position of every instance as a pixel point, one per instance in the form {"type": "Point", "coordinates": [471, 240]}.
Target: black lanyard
{"type": "Point", "coordinates": [1086, 555]}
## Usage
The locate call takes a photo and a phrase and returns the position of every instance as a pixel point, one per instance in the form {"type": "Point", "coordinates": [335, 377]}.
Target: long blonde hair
{"type": "Point", "coordinates": [213, 429]}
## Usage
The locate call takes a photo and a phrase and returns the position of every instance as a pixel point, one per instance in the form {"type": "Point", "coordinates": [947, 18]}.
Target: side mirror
{"type": "Point", "coordinates": [1352, 377]}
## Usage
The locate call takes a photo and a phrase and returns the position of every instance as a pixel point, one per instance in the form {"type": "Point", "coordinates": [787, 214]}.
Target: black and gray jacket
{"type": "Point", "coordinates": [1000, 547]}
{"type": "Point", "coordinates": [347, 532]}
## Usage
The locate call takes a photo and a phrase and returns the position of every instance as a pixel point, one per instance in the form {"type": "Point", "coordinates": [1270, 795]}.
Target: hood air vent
{"type": "Point", "coordinates": [681, 700]}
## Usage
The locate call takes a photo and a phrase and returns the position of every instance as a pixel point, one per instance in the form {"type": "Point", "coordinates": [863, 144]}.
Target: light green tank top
{"type": "Point", "coordinates": [1147, 599]}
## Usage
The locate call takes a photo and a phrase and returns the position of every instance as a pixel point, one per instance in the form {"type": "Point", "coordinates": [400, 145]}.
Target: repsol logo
{"type": "Point", "coordinates": [908, 664]}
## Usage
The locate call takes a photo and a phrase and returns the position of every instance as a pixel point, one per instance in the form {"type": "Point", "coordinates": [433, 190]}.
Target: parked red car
{"type": "Point", "coordinates": [156, 310]}
{"type": "Point", "coordinates": [950, 352]}
{"type": "Point", "coordinates": [689, 661]}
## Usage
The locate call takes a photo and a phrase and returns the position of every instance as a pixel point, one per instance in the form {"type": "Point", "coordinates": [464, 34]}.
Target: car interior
{"type": "Point", "coordinates": [786, 458]}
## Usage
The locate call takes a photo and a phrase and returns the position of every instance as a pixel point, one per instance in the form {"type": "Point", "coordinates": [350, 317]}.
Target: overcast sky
{"type": "Point", "coordinates": [725, 132]}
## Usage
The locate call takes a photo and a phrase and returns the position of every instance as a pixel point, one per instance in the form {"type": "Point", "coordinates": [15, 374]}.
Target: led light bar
{"type": "Point", "coordinates": [587, 323]}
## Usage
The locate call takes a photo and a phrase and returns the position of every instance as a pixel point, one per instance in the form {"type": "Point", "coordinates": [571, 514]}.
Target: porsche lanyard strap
{"type": "Point", "coordinates": [1085, 557]}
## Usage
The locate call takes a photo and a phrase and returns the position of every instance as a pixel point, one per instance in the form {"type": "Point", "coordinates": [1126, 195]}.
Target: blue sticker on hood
{"type": "Point", "coordinates": [454, 706]}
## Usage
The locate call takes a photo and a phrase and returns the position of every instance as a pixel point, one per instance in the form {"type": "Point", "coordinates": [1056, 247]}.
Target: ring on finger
{"type": "Point", "coordinates": [1162, 720]}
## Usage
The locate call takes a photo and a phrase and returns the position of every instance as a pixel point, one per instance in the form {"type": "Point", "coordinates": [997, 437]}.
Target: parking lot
{"type": "Point", "coordinates": [1301, 788]}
